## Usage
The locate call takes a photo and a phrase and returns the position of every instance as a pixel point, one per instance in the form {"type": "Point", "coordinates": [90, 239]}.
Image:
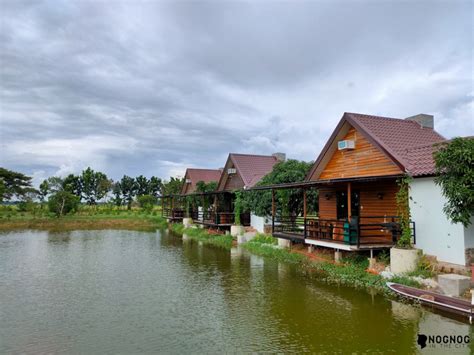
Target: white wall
{"type": "Point", "coordinates": [469, 235]}
{"type": "Point", "coordinates": [435, 234]}
{"type": "Point", "coordinates": [257, 222]}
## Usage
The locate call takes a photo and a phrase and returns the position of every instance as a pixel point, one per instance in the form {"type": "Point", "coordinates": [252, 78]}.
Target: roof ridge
{"type": "Point", "coordinates": [254, 155]}
{"type": "Point", "coordinates": [202, 169]}
{"type": "Point", "coordinates": [382, 117]}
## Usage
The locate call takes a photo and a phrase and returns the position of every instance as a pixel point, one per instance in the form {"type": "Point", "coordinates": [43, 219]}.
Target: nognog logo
{"type": "Point", "coordinates": [443, 341]}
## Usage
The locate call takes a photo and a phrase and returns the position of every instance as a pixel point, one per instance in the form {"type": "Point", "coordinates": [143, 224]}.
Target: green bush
{"type": "Point", "coordinates": [356, 260]}
{"type": "Point", "coordinates": [147, 202]}
{"type": "Point", "coordinates": [62, 203]}
{"type": "Point", "coordinates": [384, 257]}
{"type": "Point", "coordinates": [423, 268]}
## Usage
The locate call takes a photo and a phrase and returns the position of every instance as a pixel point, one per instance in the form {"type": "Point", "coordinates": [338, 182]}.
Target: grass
{"type": "Point", "coordinates": [351, 272]}
{"type": "Point", "coordinates": [86, 217]}
{"type": "Point", "coordinates": [201, 235]}
{"type": "Point", "coordinates": [265, 246]}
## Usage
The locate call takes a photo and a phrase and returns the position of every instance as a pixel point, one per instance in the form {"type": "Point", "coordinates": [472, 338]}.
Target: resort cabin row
{"type": "Point", "coordinates": [357, 176]}
{"type": "Point", "coordinates": [215, 208]}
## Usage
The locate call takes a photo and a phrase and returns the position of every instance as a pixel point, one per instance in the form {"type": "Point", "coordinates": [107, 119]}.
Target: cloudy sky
{"type": "Point", "coordinates": [154, 87]}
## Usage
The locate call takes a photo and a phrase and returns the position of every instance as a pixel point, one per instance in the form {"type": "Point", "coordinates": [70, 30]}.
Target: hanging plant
{"type": "Point", "coordinates": [188, 205]}
{"type": "Point", "coordinates": [237, 207]}
{"type": "Point", "coordinates": [403, 210]}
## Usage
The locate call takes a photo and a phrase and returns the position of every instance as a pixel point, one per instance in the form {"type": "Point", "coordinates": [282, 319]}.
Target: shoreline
{"type": "Point", "coordinates": [349, 272]}
{"type": "Point", "coordinates": [83, 222]}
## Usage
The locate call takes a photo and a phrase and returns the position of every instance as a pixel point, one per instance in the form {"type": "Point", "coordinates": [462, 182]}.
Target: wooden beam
{"type": "Point", "coordinates": [304, 203]}
{"type": "Point", "coordinates": [349, 204]}
{"type": "Point", "coordinates": [273, 210]}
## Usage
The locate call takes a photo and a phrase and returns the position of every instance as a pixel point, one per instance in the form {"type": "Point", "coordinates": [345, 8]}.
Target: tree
{"type": "Point", "coordinates": [95, 185]}
{"type": "Point", "coordinates": [454, 163]}
{"type": "Point", "coordinates": [73, 184]}
{"type": "Point", "coordinates": [203, 187]}
{"type": "Point", "coordinates": [155, 186]}
{"type": "Point", "coordinates": [43, 191]}
{"type": "Point", "coordinates": [147, 202]}
{"type": "Point", "coordinates": [129, 188]}
{"type": "Point", "coordinates": [117, 192]}
{"type": "Point", "coordinates": [142, 185]}
{"type": "Point", "coordinates": [55, 184]}
{"type": "Point", "coordinates": [173, 186]}
{"type": "Point", "coordinates": [13, 184]}
{"type": "Point", "coordinates": [63, 202]}
{"type": "Point", "coordinates": [291, 200]}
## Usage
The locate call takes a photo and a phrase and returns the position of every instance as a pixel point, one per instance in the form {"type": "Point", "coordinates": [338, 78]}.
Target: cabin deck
{"type": "Point", "coordinates": [374, 232]}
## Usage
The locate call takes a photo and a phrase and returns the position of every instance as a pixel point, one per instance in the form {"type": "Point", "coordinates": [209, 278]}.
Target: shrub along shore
{"type": "Point", "coordinates": [350, 272]}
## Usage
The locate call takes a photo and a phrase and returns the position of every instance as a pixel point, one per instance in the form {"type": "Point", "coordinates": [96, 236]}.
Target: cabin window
{"type": "Point", "coordinates": [341, 201]}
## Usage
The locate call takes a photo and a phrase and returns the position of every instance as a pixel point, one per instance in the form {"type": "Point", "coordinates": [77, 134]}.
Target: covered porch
{"type": "Point", "coordinates": [353, 214]}
{"type": "Point", "coordinates": [172, 208]}
{"type": "Point", "coordinates": [216, 210]}
{"type": "Point", "coordinates": [210, 209]}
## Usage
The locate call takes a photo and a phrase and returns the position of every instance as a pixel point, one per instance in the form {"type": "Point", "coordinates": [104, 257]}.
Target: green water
{"type": "Point", "coordinates": [134, 292]}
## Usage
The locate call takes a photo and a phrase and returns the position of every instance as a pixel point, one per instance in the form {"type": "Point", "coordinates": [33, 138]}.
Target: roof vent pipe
{"type": "Point", "coordinates": [424, 120]}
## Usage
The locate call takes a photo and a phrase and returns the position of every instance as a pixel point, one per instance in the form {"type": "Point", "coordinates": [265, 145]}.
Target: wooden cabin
{"type": "Point", "coordinates": [174, 207]}
{"type": "Point", "coordinates": [191, 179]}
{"type": "Point", "coordinates": [193, 176]}
{"type": "Point", "coordinates": [356, 174]}
{"type": "Point", "coordinates": [241, 171]}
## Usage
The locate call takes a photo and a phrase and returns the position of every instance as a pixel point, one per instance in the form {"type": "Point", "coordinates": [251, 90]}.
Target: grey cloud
{"type": "Point", "coordinates": [154, 87]}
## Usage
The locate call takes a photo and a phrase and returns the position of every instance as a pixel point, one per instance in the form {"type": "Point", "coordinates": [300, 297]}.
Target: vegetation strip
{"type": "Point", "coordinates": [86, 217]}
{"type": "Point", "coordinates": [351, 272]}
{"type": "Point", "coordinates": [201, 235]}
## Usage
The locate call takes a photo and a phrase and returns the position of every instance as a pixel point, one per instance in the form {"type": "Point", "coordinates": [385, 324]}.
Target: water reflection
{"type": "Point", "coordinates": [129, 292]}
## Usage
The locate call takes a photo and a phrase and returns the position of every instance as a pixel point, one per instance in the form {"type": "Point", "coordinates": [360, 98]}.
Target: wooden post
{"type": "Point", "coordinates": [273, 210]}
{"type": "Point", "coordinates": [203, 210]}
{"type": "Point", "coordinates": [304, 203]}
{"type": "Point", "coordinates": [304, 213]}
{"type": "Point", "coordinates": [349, 204]}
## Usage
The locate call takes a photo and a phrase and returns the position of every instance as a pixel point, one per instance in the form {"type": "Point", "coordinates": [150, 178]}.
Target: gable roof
{"type": "Point", "coordinates": [250, 167]}
{"type": "Point", "coordinates": [399, 139]}
{"type": "Point", "coordinates": [196, 175]}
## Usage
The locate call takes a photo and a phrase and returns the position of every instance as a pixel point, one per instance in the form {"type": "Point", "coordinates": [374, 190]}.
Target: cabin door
{"type": "Point", "coordinates": [341, 202]}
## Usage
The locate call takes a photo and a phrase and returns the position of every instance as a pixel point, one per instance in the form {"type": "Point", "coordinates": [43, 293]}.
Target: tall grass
{"type": "Point", "coordinates": [201, 235]}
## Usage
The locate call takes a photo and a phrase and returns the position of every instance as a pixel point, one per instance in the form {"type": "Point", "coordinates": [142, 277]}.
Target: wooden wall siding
{"type": "Point", "coordinates": [233, 182]}
{"type": "Point", "coordinates": [370, 204]}
{"type": "Point", "coordinates": [327, 208]}
{"type": "Point", "coordinates": [364, 160]}
{"type": "Point", "coordinates": [230, 182]}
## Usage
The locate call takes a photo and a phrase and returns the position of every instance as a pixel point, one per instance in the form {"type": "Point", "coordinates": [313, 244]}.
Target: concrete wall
{"type": "Point", "coordinates": [257, 222]}
{"type": "Point", "coordinates": [435, 234]}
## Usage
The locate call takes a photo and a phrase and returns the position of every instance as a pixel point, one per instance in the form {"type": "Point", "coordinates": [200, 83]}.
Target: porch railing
{"type": "Point", "coordinates": [358, 231]}
{"type": "Point", "coordinates": [173, 213]}
{"type": "Point", "coordinates": [220, 218]}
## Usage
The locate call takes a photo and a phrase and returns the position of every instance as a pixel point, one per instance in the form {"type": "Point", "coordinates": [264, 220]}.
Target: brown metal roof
{"type": "Point", "coordinates": [399, 139]}
{"type": "Point", "coordinates": [196, 175]}
{"type": "Point", "coordinates": [251, 168]}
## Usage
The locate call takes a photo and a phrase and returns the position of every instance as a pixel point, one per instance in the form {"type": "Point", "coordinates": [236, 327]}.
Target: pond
{"type": "Point", "coordinates": [128, 292]}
